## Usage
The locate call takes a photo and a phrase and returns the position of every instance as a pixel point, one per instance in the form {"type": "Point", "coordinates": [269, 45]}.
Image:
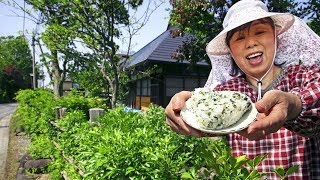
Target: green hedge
{"type": "Point", "coordinates": [128, 145]}
{"type": "Point", "coordinates": [36, 109]}
{"type": "Point", "coordinates": [123, 145]}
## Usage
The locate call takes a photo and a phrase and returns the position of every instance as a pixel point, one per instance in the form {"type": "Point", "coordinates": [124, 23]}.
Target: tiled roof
{"type": "Point", "coordinates": [160, 49]}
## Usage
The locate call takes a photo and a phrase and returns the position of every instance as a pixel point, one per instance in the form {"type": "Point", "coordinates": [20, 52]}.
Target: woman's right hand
{"type": "Point", "coordinates": [173, 118]}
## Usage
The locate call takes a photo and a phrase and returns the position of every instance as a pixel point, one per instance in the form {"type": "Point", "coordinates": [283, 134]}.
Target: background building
{"type": "Point", "coordinates": [156, 76]}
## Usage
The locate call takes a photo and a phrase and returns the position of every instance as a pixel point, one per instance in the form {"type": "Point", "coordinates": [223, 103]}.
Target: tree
{"type": "Point", "coordinates": [15, 66]}
{"type": "Point", "coordinates": [95, 24]}
{"type": "Point", "coordinates": [85, 72]}
{"type": "Point", "coordinates": [56, 42]}
{"type": "Point", "coordinates": [58, 39]}
{"type": "Point", "coordinates": [101, 24]}
{"type": "Point", "coordinates": [311, 11]}
{"type": "Point", "coordinates": [203, 20]}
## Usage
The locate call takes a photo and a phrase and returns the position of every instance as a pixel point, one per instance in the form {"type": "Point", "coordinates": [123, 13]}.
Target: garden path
{"type": "Point", "coordinates": [6, 111]}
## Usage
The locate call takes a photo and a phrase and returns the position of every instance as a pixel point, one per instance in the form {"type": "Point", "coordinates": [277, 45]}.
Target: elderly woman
{"type": "Point", "coordinates": [286, 95]}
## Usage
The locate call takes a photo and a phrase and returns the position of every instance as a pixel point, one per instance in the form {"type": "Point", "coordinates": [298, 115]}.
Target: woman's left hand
{"type": "Point", "coordinates": [274, 109]}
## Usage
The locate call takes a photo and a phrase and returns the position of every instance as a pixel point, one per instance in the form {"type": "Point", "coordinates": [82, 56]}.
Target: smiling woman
{"type": "Point", "coordinates": [286, 96]}
{"type": "Point", "coordinates": [252, 45]}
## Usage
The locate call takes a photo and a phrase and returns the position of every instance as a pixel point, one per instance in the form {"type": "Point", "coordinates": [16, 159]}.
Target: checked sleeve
{"type": "Point", "coordinates": [305, 82]}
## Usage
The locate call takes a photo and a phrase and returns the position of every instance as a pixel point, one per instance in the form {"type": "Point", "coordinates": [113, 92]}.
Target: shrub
{"type": "Point", "coordinates": [35, 110]}
{"type": "Point", "coordinates": [123, 145]}
{"type": "Point", "coordinates": [76, 101]}
{"type": "Point", "coordinates": [128, 145]}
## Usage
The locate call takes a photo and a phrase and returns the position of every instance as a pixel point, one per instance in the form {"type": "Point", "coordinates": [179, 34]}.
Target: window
{"type": "Point", "coordinates": [191, 83]}
{"type": "Point", "coordinates": [143, 87]}
{"type": "Point", "coordinates": [173, 85]}
{"type": "Point", "coordinates": [138, 87]}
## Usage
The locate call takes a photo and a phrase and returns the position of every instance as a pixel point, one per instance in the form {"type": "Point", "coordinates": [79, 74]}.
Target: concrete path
{"type": "Point", "coordinates": [6, 111]}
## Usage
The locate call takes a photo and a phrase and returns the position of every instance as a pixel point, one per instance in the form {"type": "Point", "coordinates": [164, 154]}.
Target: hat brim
{"type": "Point", "coordinates": [218, 46]}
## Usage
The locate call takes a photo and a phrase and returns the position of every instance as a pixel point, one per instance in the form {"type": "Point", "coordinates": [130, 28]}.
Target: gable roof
{"type": "Point", "coordinates": [159, 49]}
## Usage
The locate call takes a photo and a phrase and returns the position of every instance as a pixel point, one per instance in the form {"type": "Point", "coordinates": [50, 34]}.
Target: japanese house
{"type": "Point", "coordinates": [156, 76]}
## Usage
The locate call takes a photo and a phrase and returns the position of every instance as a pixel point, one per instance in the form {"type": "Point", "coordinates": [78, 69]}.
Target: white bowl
{"type": "Point", "coordinates": [246, 119]}
{"type": "Point", "coordinates": [244, 122]}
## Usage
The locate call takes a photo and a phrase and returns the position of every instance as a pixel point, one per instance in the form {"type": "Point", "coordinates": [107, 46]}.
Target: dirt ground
{"type": "Point", "coordinates": [17, 147]}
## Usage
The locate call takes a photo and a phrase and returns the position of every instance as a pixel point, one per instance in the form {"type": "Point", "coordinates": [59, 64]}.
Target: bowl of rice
{"type": "Point", "coordinates": [218, 112]}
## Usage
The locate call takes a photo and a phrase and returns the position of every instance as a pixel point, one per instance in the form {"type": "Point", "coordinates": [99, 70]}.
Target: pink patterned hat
{"type": "Point", "coordinates": [241, 13]}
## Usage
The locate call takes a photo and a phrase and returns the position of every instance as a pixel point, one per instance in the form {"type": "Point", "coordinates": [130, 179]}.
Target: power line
{"type": "Point", "coordinates": [24, 16]}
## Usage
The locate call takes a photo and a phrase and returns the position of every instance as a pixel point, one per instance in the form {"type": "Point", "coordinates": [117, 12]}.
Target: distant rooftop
{"type": "Point", "coordinates": [159, 49]}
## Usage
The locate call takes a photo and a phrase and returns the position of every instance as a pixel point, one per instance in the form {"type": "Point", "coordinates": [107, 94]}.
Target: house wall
{"type": "Point", "coordinates": [140, 93]}
{"type": "Point", "coordinates": [175, 84]}
{"type": "Point", "coordinates": [162, 85]}
{"type": "Point", "coordinates": [183, 77]}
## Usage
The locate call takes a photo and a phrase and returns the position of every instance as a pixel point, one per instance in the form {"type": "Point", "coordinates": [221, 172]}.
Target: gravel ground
{"type": "Point", "coordinates": [18, 144]}
{"type": "Point", "coordinates": [16, 149]}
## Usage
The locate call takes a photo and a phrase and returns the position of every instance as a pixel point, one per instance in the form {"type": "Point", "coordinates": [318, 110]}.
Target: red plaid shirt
{"type": "Point", "coordinates": [297, 143]}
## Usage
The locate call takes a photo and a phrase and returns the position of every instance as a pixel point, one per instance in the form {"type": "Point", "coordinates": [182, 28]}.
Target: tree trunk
{"type": "Point", "coordinates": [114, 94]}
{"type": "Point", "coordinates": [56, 72]}
{"type": "Point", "coordinates": [115, 86]}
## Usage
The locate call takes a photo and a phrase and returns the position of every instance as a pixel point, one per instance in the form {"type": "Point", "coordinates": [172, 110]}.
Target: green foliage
{"type": "Point", "coordinates": [15, 50]}
{"type": "Point", "coordinates": [15, 67]}
{"type": "Point", "coordinates": [96, 24]}
{"type": "Point", "coordinates": [41, 147]}
{"type": "Point", "coordinates": [36, 109]}
{"type": "Point", "coordinates": [86, 74]}
{"type": "Point", "coordinates": [123, 145]}
{"type": "Point", "coordinates": [16, 124]}
{"type": "Point", "coordinates": [202, 19]}
{"type": "Point", "coordinates": [128, 145]}
{"type": "Point", "coordinates": [220, 164]}
{"type": "Point", "coordinates": [89, 79]}
{"type": "Point", "coordinates": [76, 101]}
{"type": "Point", "coordinates": [280, 171]}
{"type": "Point", "coordinates": [311, 11]}
{"type": "Point", "coordinates": [291, 6]}
{"type": "Point", "coordinates": [135, 3]}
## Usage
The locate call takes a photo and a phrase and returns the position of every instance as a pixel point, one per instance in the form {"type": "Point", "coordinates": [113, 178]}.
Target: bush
{"type": "Point", "coordinates": [35, 110]}
{"type": "Point", "coordinates": [123, 145]}
{"type": "Point", "coordinates": [76, 101]}
{"type": "Point", "coordinates": [128, 145]}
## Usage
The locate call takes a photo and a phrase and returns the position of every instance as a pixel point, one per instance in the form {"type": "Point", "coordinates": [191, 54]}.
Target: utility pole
{"type": "Point", "coordinates": [33, 61]}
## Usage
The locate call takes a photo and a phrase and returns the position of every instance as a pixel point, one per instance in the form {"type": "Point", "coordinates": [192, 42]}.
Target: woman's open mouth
{"type": "Point", "coordinates": [255, 58]}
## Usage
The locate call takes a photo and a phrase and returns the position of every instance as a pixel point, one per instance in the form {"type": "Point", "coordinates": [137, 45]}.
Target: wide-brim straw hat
{"type": "Point", "coordinates": [241, 13]}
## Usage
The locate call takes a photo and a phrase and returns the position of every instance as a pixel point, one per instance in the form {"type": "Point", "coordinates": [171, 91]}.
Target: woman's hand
{"type": "Point", "coordinates": [274, 109]}
{"type": "Point", "coordinates": [173, 118]}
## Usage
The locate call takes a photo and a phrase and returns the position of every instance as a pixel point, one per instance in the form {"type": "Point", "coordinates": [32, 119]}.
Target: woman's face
{"type": "Point", "coordinates": [253, 48]}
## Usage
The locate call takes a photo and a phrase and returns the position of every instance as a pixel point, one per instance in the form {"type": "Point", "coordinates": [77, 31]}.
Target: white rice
{"type": "Point", "coordinates": [209, 109]}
